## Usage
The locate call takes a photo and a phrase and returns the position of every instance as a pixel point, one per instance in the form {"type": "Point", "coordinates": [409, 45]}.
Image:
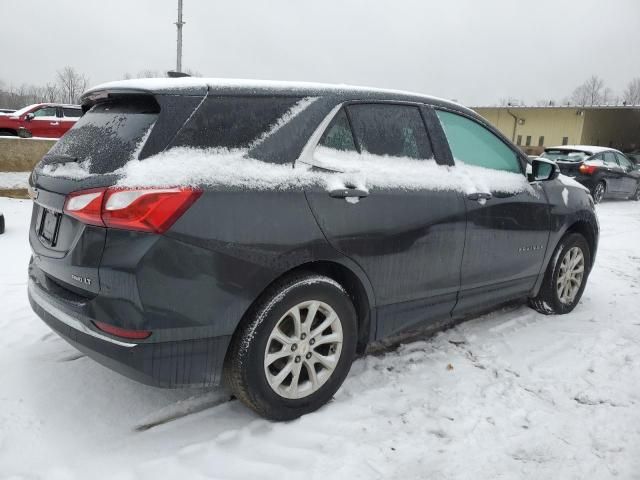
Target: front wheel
{"type": "Point", "coordinates": [636, 195]}
{"type": "Point", "coordinates": [565, 278]}
{"type": "Point", "coordinates": [294, 349]}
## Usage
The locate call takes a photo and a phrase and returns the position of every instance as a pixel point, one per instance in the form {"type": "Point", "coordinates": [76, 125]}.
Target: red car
{"type": "Point", "coordinates": [40, 120]}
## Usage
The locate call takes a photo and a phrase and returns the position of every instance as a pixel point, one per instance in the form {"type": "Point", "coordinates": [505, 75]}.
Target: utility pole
{"type": "Point", "coordinates": [179, 25]}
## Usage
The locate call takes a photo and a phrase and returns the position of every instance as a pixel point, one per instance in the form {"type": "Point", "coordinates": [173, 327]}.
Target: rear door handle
{"type": "Point", "coordinates": [348, 193]}
{"type": "Point", "coordinates": [477, 196]}
{"type": "Point", "coordinates": [54, 123]}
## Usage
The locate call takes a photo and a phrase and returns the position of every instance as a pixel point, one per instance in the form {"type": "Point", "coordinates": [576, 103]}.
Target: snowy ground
{"type": "Point", "coordinates": [14, 180]}
{"type": "Point", "coordinates": [510, 395]}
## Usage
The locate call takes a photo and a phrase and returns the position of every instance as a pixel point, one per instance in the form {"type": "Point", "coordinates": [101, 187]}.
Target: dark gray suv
{"type": "Point", "coordinates": [261, 235]}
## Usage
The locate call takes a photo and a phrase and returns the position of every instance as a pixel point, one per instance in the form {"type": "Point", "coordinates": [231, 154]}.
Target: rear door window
{"type": "Point", "coordinates": [71, 112]}
{"type": "Point", "coordinates": [474, 144]}
{"type": "Point", "coordinates": [610, 159]}
{"type": "Point", "coordinates": [390, 130]}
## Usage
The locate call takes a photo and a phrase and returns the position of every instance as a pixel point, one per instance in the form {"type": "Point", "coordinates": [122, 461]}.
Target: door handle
{"type": "Point", "coordinates": [348, 193]}
{"type": "Point", "coordinates": [54, 123]}
{"type": "Point", "coordinates": [478, 196]}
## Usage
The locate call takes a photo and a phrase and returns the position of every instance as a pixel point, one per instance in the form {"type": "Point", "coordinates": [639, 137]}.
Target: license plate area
{"type": "Point", "coordinates": [48, 227]}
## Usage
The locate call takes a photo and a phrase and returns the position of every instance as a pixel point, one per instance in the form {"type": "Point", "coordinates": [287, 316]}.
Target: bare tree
{"type": "Point", "coordinates": [71, 84]}
{"type": "Point", "coordinates": [632, 93]}
{"type": "Point", "coordinates": [591, 92]}
{"type": "Point", "coordinates": [510, 102]}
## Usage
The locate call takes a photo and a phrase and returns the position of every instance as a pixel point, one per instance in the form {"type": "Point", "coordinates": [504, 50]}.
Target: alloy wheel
{"type": "Point", "coordinates": [598, 193]}
{"type": "Point", "coordinates": [570, 276]}
{"type": "Point", "coordinates": [303, 349]}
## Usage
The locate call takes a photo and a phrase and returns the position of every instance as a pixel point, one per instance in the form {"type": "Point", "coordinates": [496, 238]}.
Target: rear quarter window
{"type": "Point", "coordinates": [233, 121]}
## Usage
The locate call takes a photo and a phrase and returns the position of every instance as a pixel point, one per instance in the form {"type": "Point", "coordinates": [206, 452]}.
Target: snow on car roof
{"type": "Point", "coordinates": [583, 148]}
{"type": "Point", "coordinates": [166, 85]}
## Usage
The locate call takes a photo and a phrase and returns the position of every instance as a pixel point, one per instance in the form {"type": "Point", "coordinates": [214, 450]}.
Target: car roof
{"type": "Point", "coordinates": [202, 86]}
{"type": "Point", "coordinates": [590, 149]}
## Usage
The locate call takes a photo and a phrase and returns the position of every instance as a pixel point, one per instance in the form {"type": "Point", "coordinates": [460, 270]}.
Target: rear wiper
{"type": "Point", "coordinates": [58, 158]}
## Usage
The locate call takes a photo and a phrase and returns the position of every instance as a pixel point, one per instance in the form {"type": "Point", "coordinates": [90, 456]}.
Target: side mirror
{"type": "Point", "coordinates": [542, 170]}
{"type": "Point", "coordinates": [29, 116]}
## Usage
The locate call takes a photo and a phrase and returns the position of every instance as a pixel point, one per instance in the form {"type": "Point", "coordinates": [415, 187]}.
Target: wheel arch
{"type": "Point", "coordinates": [584, 227]}
{"type": "Point", "coordinates": [356, 285]}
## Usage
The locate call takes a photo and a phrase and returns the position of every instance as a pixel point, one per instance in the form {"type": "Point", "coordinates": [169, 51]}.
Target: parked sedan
{"type": "Point", "coordinates": [198, 232]}
{"type": "Point", "coordinates": [606, 172]}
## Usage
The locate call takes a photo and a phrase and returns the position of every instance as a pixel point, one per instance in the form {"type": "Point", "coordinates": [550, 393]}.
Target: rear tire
{"type": "Point", "coordinates": [565, 277]}
{"type": "Point", "coordinates": [1, 224]}
{"type": "Point", "coordinates": [599, 192]}
{"type": "Point", "coordinates": [294, 348]}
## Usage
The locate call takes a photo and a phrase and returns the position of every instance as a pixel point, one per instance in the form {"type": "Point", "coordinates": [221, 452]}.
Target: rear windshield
{"type": "Point", "coordinates": [108, 135]}
{"type": "Point", "coordinates": [565, 155]}
{"type": "Point", "coordinates": [234, 122]}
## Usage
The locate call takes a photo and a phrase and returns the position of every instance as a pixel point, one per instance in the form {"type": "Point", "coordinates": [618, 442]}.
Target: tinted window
{"type": "Point", "coordinates": [109, 134]}
{"type": "Point", "coordinates": [473, 144]}
{"type": "Point", "coordinates": [338, 135]}
{"type": "Point", "coordinates": [564, 155]}
{"type": "Point", "coordinates": [394, 130]}
{"type": "Point", "coordinates": [72, 112]}
{"type": "Point", "coordinates": [45, 112]}
{"type": "Point", "coordinates": [610, 159]}
{"type": "Point", "coordinates": [519, 140]}
{"type": "Point", "coordinates": [565, 140]}
{"type": "Point", "coordinates": [541, 141]}
{"type": "Point", "coordinates": [624, 162]}
{"type": "Point", "coordinates": [528, 144]}
{"type": "Point", "coordinates": [233, 122]}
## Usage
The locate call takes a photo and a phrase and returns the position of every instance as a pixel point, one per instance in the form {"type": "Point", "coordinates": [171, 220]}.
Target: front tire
{"type": "Point", "coordinates": [565, 278]}
{"type": "Point", "coordinates": [294, 348]}
{"type": "Point", "coordinates": [636, 195]}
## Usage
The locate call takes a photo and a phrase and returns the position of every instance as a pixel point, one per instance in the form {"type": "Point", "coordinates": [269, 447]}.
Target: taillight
{"type": "Point", "coordinates": [86, 206]}
{"type": "Point", "coordinates": [587, 169]}
{"type": "Point", "coordinates": [123, 332]}
{"type": "Point", "coordinates": [146, 210]}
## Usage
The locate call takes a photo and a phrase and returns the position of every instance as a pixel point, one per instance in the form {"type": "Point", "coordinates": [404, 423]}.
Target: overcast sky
{"type": "Point", "coordinates": [476, 51]}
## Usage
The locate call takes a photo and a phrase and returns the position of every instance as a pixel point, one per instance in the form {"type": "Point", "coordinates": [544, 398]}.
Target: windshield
{"type": "Point", "coordinates": [108, 135]}
{"type": "Point", "coordinates": [22, 111]}
{"type": "Point", "coordinates": [565, 155]}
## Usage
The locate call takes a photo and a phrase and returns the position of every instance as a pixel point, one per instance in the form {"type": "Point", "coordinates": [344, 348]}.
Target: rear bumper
{"type": "Point", "coordinates": [196, 362]}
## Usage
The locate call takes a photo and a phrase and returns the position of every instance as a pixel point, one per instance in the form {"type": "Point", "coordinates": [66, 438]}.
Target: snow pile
{"type": "Point", "coordinates": [71, 170]}
{"type": "Point", "coordinates": [376, 171]}
{"type": "Point", "coordinates": [184, 166]}
{"type": "Point", "coordinates": [233, 168]}
{"type": "Point", "coordinates": [12, 180]}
